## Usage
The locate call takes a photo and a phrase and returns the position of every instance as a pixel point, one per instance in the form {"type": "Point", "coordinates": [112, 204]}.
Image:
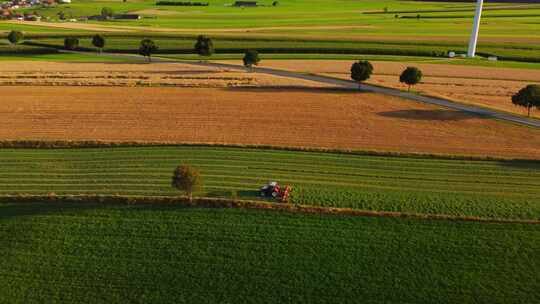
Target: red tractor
{"type": "Point", "coordinates": [275, 191]}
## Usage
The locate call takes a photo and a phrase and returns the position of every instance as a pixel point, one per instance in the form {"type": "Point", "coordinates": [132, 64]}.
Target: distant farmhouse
{"type": "Point", "coordinates": [245, 3]}
{"type": "Point", "coordinates": [7, 9]}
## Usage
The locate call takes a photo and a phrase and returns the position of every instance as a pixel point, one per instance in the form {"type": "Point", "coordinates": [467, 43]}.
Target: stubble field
{"type": "Point", "coordinates": [483, 86]}
{"type": "Point", "coordinates": [323, 118]}
{"type": "Point", "coordinates": [121, 74]}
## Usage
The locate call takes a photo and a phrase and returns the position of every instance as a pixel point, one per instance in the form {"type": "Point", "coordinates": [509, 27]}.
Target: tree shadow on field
{"type": "Point", "coordinates": [441, 115]}
{"type": "Point", "coordinates": [521, 164]}
{"type": "Point", "coordinates": [294, 88]}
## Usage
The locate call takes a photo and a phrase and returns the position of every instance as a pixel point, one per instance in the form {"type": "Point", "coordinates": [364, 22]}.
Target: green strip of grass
{"type": "Point", "coordinates": [157, 254]}
{"type": "Point", "coordinates": [225, 46]}
{"type": "Point", "coordinates": [487, 189]}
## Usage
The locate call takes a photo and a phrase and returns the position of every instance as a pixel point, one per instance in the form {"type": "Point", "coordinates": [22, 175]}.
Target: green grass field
{"type": "Point", "coordinates": [184, 44]}
{"type": "Point", "coordinates": [488, 189]}
{"type": "Point", "coordinates": [440, 18]}
{"type": "Point", "coordinates": [150, 254]}
{"type": "Point", "coordinates": [320, 28]}
{"type": "Point", "coordinates": [509, 30]}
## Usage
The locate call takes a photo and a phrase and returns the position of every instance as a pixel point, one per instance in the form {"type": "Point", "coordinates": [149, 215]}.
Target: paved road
{"type": "Point", "coordinates": [350, 84]}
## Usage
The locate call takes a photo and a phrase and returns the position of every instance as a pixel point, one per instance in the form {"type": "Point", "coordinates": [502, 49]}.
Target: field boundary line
{"type": "Point", "coordinates": [207, 202]}
{"type": "Point", "coordinates": [67, 145]}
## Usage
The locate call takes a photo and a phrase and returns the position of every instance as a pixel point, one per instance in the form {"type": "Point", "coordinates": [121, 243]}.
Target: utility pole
{"type": "Point", "coordinates": [476, 27]}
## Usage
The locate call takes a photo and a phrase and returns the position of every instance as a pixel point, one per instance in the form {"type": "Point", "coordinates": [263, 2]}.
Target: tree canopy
{"type": "Point", "coordinates": [411, 76]}
{"type": "Point", "coordinates": [204, 46]}
{"type": "Point", "coordinates": [107, 12]}
{"type": "Point", "coordinates": [98, 41]}
{"type": "Point", "coordinates": [147, 48]}
{"type": "Point", "coordinates": [71, 43]}
{"type": "Point", "coordinates": [15, 37]}
{"type": "Point", "coordinates": [528, 97]}
{"type": "Point", "coordinates": [251, 58]}
{"type": "Point", "coordinates": [361, 70]}
{"type": "Point", "coordinates": [186, 178]}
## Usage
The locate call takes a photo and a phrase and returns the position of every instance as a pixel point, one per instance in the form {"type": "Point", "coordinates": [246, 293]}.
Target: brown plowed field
{"type": "Point", "coordinates": [301, 118]}
{"type": "Point", "coordinates": [484, 86]}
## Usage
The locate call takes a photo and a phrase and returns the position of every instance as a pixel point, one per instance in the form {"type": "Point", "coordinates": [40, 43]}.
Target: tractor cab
{"type": "Point", "coordinates": [274, 190]}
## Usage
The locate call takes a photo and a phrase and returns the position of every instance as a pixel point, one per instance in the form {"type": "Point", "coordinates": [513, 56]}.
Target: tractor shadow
{"type": "Point", "coordinates": [241, 194]}
{"type": "Point", "coordinates": [428, 115]}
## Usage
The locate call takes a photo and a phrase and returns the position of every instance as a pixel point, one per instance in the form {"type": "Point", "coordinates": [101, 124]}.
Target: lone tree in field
{"type": "Point", "coordinates": [15, 37]}
{"type": "Point", "coordinates": [251, 58]}
{"type": "Point", "coordinates": [361, 71]}
{"type": "Point", "coordinates": [107, 13]}
{"type": "Point", "coordinates": [188, 179]}
{"type": "Point", "coordinates": [411, 76]}
{"type": "Point", "coordinates": [99, 42]}
{"type": "Point", "coordinates": [147, 48]}
{"type": "Point", "coordinates": [528, 97]}
{"type": "Point", "coordinates": [71, 43]}
{"type": "Point", "coordinates": [204, 46]}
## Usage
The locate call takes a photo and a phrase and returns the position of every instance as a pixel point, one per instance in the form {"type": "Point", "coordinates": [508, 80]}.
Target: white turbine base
{"type": "Point", "coordinates": [476, 28]}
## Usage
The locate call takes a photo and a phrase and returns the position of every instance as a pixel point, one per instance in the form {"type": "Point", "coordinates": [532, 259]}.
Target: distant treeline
{"type": "Point", "coordinates": [176, 3]}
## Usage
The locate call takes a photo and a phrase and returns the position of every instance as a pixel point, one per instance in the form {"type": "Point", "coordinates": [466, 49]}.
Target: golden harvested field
{"type": "Point", "coordinates": [294, 117]}
{"type": "Point", "coordinates": [484, 86]}
{"type": "Point", "coordinates": [134, 74]}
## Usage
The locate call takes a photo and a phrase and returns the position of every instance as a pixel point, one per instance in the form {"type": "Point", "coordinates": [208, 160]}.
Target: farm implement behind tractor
{"type": "Point", "coordinates": [275, 191]}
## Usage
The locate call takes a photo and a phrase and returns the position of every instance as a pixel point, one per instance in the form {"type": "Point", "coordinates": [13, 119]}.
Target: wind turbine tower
{"type": "Point", "coordinates": [476, 27]}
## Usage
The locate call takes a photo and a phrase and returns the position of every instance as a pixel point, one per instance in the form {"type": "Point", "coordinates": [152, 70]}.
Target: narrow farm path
{"type": "Point", "coordinates": [352, 85]}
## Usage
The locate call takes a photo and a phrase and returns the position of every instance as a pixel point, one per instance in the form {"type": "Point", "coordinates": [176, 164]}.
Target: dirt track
{"type": "Point", "coordinates": [484, 86]}
{"type": "Point", "coordinates": [301, 118]}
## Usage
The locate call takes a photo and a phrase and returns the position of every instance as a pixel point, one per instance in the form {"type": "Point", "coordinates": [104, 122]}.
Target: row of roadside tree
{"type": "Point", "coordinates": [528, 97]}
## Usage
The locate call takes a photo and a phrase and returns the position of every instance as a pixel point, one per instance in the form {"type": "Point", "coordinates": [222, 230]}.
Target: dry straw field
{"type": "Point", "coordinates": [169, 102]}
{"type": "Point", "coordinates": [133, 74]}
{"type": "Point", "coordinates": [294, 117]}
